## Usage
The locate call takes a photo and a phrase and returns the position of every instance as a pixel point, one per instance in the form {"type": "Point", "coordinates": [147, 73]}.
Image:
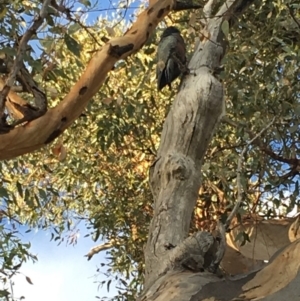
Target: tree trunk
{"type": "Point", "coordinates": [179, 267]}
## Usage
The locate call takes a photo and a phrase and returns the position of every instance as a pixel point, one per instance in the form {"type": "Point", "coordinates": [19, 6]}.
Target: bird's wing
{"type": "Point", "coordinates": [163, 55]}
{"type": "Point", "coordinates": [167, 68]}
{"type": "Point", "coordinates": [180, 49]}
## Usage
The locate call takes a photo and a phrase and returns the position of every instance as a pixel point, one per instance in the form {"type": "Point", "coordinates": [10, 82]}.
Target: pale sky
{"type": "Point", "coordinates": [61, 273]}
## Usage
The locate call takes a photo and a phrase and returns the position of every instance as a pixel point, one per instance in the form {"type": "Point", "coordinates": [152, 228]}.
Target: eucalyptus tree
{"type": "Point", "coordinates": [84, 96]}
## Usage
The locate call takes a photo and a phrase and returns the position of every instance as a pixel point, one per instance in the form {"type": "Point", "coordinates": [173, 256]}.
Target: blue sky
{"type": "Point", "coordinates": [61, 272]}
{"type": "Point", "coordinates": [107, 8]}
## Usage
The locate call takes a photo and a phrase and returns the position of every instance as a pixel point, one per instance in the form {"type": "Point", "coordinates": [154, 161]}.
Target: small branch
{"type": "Point", "coordinates": [19, 109]}
{"type": "Point", "coordinates": [102, 247]}
{"type": "Point", "coordinates": [66, 11]}
{"type": "Point", "coordinates": [239, 171]}
{"type": "Point", "coordinates": [56, 120]}
{"type": "Point", "coordinates": [207, 9]}
{"type": "Point", "coordinates": [17, 89]}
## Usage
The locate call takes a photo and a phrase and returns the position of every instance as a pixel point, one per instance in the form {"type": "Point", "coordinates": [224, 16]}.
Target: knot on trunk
{"type": "Point", "coordinates": [199, 252]}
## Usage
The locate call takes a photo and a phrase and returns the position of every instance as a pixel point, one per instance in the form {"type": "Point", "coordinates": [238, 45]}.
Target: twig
{"type": "Point", "coordinates": [293, 16]}
{"type": "Point", "coordinates": [239, 171]}
{"type": "Point", "coordinates": [102, 247]}
{"type": "Point", "coordinates": [64, 10]}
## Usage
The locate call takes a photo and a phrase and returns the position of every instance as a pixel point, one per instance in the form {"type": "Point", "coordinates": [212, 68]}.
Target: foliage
{"type": "Point", "coordinates": [13, 253]}
{"type": "Point", "coordinates": [261, 82]}
{"type": "Point", "coordinates": [96, 173]}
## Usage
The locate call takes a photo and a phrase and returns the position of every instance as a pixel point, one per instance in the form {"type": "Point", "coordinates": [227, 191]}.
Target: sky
{"type": "Point", "coordinates": [61, 272]}
{"type": "Point", "coordinates": [106, 8]}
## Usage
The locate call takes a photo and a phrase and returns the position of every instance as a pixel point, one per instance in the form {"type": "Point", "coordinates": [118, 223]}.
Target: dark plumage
{"type": "Point", "coordinates": [170, 57]}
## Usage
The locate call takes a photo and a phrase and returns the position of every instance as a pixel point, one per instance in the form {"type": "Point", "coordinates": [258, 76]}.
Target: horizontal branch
{"type": "Point", "coordinates": [37, 133]}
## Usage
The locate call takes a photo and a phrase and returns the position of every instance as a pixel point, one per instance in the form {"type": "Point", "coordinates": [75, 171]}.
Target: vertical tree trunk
{"type": "Point", "coordinates": [175, 176]}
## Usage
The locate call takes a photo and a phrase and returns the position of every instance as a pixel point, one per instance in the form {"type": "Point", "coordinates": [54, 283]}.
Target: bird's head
{"type": "Point", "coordinates": [169, 31]}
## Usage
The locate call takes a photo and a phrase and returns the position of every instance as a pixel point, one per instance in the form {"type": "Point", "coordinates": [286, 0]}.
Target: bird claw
{"type": "Point", "coordinates": [185, 70]}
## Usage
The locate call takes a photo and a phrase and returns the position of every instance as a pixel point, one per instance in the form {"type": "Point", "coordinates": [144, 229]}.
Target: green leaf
{"type": "Point", "coordinates": [72, 45]}
{"type": "Point", "coordinates": [28, 280]}
{"type": "Point", "coordinates": [20, 189]}
{"type": "Point", "coordinates": [87, 3]}
{"type": "Point", "coordinates": [225, 28]}
{"type": "Point", "coordinates": [43, 194]}
{"type": "Point", "coordinates": [297, 110]}
{"type": "Point", "coordinates": [3, 193]}
{"type": "Point", "coordinates": [47, 44]}
{"type": "Point", "coordinates": [108, 284]}
{"type": "Point", "coordinates": [73, 28]}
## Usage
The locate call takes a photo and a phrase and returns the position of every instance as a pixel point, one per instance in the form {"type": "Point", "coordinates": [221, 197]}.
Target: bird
{"type": "Point", "coordinates": [171, 57]}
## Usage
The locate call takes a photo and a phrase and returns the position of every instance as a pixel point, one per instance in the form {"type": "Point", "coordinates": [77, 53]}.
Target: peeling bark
{"type": "Point", "coordinates": [278, 281]}
{"type": "Point", "coordinates": [266, 237]}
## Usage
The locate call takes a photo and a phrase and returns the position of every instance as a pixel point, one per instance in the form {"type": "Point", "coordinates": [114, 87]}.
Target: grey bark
{"type": "Point", "coordinates": [175, 176]}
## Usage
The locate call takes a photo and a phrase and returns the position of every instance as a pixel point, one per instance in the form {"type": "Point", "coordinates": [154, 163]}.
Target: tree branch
{"type": "Point", "coordinates": [102, 247]}
{"type": "Point", "coordinates": [293, 15]}
{"type": "Point", "coordinates": [37, 133]}
{"type": "Point", "coordinates": [292, 161]}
